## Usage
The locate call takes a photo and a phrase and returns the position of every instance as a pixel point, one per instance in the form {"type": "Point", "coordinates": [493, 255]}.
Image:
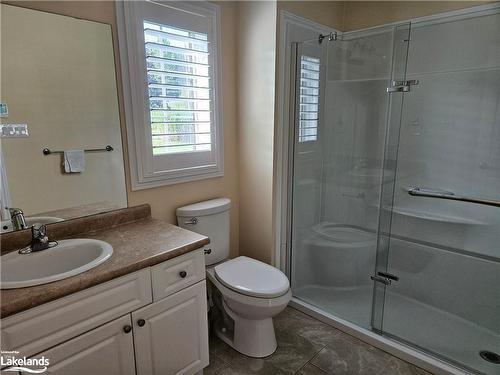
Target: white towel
{"type": "Point", "coordinates": [74, 161]}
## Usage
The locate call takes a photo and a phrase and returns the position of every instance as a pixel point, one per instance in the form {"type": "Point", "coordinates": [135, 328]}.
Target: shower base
{"type": "Point", "coordinates": [352, 304]}
{"type": "Point", "coordinates": [461, 343]}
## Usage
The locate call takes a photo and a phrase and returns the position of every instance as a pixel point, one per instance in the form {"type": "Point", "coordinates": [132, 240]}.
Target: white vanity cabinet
{"type": "Point", "coordinates": [146, 332]}
{"type": "Point", "coordinates": [104, 350]}
{"type": "Point", "coordinates": [171, 336]}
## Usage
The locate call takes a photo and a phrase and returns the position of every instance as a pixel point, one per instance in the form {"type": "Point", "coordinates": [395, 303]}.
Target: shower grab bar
{"type": "Point", "coordinates": [443, 194]}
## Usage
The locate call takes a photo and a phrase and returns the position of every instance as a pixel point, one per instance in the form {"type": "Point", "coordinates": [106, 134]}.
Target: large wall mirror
{"type": "Point", "coordinates": [58, 92]}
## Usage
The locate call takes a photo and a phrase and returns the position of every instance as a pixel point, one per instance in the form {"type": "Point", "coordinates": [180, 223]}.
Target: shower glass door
{"type": "Point", "coordinates": [446, 253]}
{"type": "Point", "coordinates": [341, 121]}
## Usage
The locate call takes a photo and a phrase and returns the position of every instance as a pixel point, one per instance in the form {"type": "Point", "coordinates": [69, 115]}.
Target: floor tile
{"type": "Point", "coordinates": [263, 370]}
{"type": "Point", "coordinates": [307, 346]}
{"type": "Point", "coordinates": [216, 365]}
{"type": "Point", "coordinates": [294, 321]}
{"type": "Point", "coordinates": [215, 345]}
{"type": "Point", "coordinates": [293, 353]}
{"type": "Point", "coordinates": [346, 358]}
{"type": "Point", "coordinates": [310, 369]}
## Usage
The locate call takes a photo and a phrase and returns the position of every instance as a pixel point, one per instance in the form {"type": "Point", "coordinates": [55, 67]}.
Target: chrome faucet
{"type": "Point", "coordinates": [17, 218]}
{"type": "Point", "coordinates": [39, 240]}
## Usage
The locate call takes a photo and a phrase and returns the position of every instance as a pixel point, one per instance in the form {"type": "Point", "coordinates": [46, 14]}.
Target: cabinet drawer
{"type": "Point", "coordinates": [178, 273]}
{"type": "Point", "coordinates": [44, 326]}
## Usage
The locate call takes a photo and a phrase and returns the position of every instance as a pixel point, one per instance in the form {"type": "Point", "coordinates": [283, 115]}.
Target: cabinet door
{"type": "Point", "coordinates": [105, 350]}
{"type": "Point", "coordinates": [171, 335]}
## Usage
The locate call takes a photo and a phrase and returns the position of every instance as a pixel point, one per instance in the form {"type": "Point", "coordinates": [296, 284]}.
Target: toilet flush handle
{"type": "Point", "coordinates": [192, 221]}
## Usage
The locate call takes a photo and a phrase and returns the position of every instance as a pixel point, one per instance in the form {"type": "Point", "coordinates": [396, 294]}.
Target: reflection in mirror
{"type": "Point", "coordinates": [58, 91]}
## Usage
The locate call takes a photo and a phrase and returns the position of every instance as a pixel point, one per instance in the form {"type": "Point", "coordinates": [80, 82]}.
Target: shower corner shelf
{"type": "Point", "coordinates": [431, 216]}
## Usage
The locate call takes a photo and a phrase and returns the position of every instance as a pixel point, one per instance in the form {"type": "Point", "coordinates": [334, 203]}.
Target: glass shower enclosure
{"type": "Point", "coordinates": [395, 214]}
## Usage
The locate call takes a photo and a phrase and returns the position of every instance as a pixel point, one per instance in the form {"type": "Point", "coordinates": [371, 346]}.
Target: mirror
{"type": "Point", "coordinates": [58, 92]}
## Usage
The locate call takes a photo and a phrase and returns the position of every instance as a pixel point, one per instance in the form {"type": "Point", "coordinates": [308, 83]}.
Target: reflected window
{"type": "Point", "coordinates": [309, 98]}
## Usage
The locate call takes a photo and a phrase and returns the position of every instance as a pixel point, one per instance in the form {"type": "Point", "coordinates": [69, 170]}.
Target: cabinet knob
{"type": "Point", "coordinates": [141, 322]}
{"type": "Point", "coordinates": [127, 329]}
{"type": "Point", "coordinates": [183, 274]}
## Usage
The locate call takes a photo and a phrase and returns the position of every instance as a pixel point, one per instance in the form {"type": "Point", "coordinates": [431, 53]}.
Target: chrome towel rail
{"type": "Point", "coordinates": [108, 148]}
{"type": "Point", "coordinates": [441, 194]}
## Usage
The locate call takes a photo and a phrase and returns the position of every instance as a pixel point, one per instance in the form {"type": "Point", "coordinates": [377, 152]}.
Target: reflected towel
{"type": "Point", "coordinates": [74, 161]}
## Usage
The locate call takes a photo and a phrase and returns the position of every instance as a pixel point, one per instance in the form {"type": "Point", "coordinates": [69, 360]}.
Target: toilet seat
{"type": "Point", "coordinates": [252, 278]}
{"type": "Point", "coordinates": [251, 302]}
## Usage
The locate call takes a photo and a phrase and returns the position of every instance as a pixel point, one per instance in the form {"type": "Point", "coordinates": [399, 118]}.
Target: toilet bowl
{"type": "Point", "coordinates": [252, 292]}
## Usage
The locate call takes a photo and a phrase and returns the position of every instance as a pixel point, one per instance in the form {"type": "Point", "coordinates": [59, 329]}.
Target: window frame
{"type": "Point", "coordinates": [145, 170]}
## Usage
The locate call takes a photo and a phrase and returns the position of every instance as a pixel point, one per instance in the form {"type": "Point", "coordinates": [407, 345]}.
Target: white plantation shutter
{"type": "Point", "coordinates": [179, 89]}
{"type": "Point", "coordinates": [175, 105]}
{"type": "Point", "coordinates": [309, 98]}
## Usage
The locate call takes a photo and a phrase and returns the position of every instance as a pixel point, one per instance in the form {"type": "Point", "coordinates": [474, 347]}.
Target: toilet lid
{"type": "Point", "coordinates": [252, 277]}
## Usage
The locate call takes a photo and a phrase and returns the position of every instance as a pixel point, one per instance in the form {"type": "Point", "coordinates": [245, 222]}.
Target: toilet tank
{"type": "Point", "coordinates": [210, 218]}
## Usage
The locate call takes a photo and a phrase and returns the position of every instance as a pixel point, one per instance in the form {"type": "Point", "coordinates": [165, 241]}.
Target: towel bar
{"type": "Point", "coordinates": [108, 148]}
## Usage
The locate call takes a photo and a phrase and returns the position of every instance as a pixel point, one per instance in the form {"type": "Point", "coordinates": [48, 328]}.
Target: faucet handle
{"type": "Point", "coordinates": [39, 231]}
{"type": "Point", "coordinates": [17, 218]}
{"type": "Point", "coordinates": [39, 240]}
{"type": "Point", "coordinates": [13, 211]}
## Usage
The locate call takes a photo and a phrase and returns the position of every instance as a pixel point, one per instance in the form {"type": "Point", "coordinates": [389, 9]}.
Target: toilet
{"type": "Point", "coordinates": [251, 292]}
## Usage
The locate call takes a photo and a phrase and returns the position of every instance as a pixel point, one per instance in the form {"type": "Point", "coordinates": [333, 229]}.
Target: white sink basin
{"type": "Point", "coordinates": [68, 258]}
{"type": "Point", "coordinates": [30, 221]}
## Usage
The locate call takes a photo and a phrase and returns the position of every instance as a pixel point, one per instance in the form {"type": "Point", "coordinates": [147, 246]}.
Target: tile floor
{"type": "Point", "coordinates": [307, 346]}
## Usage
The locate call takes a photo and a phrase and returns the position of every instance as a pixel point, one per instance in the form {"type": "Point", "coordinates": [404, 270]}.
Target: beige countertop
{"type": "Point", "coordinates": [136, 245]}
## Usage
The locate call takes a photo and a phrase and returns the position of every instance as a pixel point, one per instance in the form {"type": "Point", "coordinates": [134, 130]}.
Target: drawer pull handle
{"type": "Point", "coordinates": [127, 329]}
{"type": "Point", "coordinates": [141, 322]}
{"type": "Point", "coordinates": [183, 274]}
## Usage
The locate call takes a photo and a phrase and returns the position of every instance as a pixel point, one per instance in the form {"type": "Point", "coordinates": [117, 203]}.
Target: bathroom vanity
{"type": "Point", "coordinates": [144, 311]}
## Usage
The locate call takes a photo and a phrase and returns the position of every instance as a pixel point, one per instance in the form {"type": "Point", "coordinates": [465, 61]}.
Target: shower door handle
{"type": "Point", "coordinates": [384, 277]}
{"type": "Point", "coordinates": [402, 86]}
{"type": "Point", "coordinates": [388, 275]}
{"type": "Point", "coordinates": [399, 88]}
{"type": "Point", "coordinates": [380, 279]}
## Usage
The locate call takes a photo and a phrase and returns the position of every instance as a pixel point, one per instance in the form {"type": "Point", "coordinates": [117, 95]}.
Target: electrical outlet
{"type": "Point", "coordinates": [14, 130]}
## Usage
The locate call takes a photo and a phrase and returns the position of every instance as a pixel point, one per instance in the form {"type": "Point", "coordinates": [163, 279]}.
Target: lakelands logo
{"type": "Point", "coordinates": [14, 362]}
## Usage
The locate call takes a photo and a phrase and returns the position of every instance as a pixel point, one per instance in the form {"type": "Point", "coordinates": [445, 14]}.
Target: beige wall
{"type": "Point", "coordinates": [66, 105]}
{"type": "Point", "coordinates": [164, 200]}
{"type": "Point", "coordinates": [256, 49]}
{"type": "Point", "coordinates": [249, 39]}
{"type": "Point", "coordinates": [361, 14]}
{"type": "Point", "coordinates": [328, 13]}
{"type": "Point", "coordinates": [351, 14]}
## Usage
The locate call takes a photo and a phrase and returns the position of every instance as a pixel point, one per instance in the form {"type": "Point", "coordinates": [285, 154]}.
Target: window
{"type": "Point", "coordinates": [179, 89]}
{"type": "Point", "coordinates": [173, 106]}
{"type": "Point", "coordinates": [309, 98]}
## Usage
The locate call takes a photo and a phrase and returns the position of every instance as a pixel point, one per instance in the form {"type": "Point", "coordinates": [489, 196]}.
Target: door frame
{"type": "Point", "coordinates": [292, 29]}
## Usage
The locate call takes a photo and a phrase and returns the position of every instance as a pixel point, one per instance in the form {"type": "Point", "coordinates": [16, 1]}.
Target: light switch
{"type": "Point", "coordinates": [14, 130]}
